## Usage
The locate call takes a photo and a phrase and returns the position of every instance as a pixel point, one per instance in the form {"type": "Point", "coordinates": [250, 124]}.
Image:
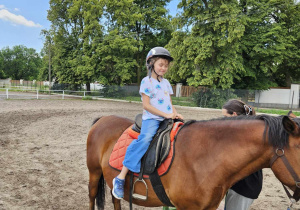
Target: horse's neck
{"type": "Point", "coordinates": [236, 149]}
{"type": "Point", "coordinates": [246, 152]}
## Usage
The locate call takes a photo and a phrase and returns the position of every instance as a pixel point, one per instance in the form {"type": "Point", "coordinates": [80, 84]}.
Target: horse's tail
{"type": "Point", "coordinates": [100, 197]}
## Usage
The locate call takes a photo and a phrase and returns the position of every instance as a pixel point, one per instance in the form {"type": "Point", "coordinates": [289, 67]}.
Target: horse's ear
{"type": "Point", "coordinates": [291, 114]}
{"type": "Point", "coordinates": [290, 126]}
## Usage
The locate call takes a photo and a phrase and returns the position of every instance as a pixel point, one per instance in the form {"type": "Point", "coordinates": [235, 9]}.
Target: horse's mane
{"type": "Point", "coordinates": [274, 130]}
{"type": "Point", "coordinates": [96, 120]}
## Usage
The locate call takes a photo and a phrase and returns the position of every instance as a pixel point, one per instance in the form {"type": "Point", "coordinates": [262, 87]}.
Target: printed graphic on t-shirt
{"type": "Point", "coordinates": [160, 101]}
{"type": "Point", "coordinates": [158, 87]}
{"type": "Point", "coordinates": [147, 90]}
{"type": "Point", "coordinates": [169, 108]}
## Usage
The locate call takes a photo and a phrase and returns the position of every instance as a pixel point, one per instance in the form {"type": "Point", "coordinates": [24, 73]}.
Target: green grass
{"type": "Point", "coordinates": [132, 98]}
{"type": "Point", "coordinates": [87, 98]}
{"type": "Point", "coordinates": [182, 101]}
{"type": "Point", "coordinates": [277, 111]}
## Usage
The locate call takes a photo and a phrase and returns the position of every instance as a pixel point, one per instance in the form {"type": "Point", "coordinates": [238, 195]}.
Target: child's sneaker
{"type": "Point", "coordinates": [118, 188]}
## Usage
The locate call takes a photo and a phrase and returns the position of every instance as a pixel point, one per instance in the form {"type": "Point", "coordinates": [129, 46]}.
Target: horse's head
{"type": "Point", "coordinates": [286, 161]}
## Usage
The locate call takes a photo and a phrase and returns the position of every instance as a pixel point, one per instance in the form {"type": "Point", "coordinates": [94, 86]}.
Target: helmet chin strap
{"type": "Point", "coordinates": [150, 72]}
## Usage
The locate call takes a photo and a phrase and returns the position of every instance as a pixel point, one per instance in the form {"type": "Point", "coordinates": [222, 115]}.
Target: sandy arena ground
{"type": "Point", "coordinates": [43, 153]}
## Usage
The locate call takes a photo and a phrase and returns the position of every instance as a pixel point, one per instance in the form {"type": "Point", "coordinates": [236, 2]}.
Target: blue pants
{"type": "Point", "coordinates": [138, 147]}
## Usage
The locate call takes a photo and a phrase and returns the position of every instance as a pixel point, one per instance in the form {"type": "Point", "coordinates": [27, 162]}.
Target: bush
{"type": "Point", "coordinates": [87, 98]}
{"type": "Point", "coordinates": [113, 91]}
{"type": "Point", "coordinates": [213, 98]}
{"type": "Point", "coordinates": [58, 86]}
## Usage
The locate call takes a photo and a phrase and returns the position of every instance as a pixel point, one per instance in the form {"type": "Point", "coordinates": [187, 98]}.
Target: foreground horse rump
{"type": "Point", "coordinates": [210, 156]}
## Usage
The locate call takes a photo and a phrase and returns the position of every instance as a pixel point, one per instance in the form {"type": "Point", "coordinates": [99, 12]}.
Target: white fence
{"type": "Point", "coordinates": [273, 98]}
{"type": "Point", "coordinates": [6, 93]}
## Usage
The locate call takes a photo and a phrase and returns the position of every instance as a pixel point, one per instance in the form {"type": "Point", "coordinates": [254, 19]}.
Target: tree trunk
{"type": "Point", "coordinates": [288, 79]}
{"type": "Point", "coordinates": [88, 86]}
{"type": "Point", "coordinates": [139, 69]}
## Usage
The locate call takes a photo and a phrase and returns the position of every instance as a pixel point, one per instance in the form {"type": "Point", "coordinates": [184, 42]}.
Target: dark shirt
{"type": "Point", "coordinates": [250, 186]}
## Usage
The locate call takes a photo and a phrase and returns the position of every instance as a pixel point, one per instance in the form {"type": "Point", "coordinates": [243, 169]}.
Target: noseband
{"type": "Point", "coordinates": [279, 153]}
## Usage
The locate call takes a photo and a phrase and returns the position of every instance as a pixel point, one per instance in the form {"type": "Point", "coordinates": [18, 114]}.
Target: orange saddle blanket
{"type": "Point", "coordinates": [118, 153]}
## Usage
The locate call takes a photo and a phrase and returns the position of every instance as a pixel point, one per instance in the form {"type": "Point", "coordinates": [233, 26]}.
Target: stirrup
{"type": "Point", "coordinates": [138, 196]}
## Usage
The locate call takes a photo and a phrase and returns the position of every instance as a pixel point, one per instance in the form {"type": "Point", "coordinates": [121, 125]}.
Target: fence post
{"type": "Point", "coordinates": [83, 93]}
{"type": "Point", "coordinates": [63, 96]}
{"type": "Point", "coordinates": [178, 89]}
{"type": "Point", "coordinates": [6, 93]}
{"type": "Point", "coordinates": [258, 100]}
{"type": "Point", "coordinates": [37, 94]}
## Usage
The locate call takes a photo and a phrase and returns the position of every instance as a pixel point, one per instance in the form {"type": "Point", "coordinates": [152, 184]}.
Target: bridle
{"type": "Point", "coordinates": [279, 153]}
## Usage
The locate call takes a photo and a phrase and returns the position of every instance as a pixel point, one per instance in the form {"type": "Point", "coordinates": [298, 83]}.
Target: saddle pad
{"type": "Point", "coordinates": [119, 150]}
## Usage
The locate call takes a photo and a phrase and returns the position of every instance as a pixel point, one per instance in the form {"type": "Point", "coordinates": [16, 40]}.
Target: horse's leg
{"type": "Point", "coordinates": [116, 202]}
{"type": "Point", "coordinates": [96, 189]}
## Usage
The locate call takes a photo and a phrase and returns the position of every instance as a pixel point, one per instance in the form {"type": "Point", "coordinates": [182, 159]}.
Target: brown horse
{"type": "Point", "coordinates": [210, 156]}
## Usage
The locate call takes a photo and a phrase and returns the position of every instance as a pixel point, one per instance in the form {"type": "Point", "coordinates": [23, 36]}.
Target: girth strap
{"type": "Point", "coordinates": [159, 188]}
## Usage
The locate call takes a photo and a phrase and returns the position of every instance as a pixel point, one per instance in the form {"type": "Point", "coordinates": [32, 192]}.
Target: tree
{"type": "Point", "coordinates": [208, 53]}
{"type": "Point", "coordinates": [268, 44]}
{"type": "Point", "coordinates": [289, 69]}
{"type": "Point", "coordinates": [20, 62]}
{"type": "Point", "coordinates": [147, 22]}
{"type": "Point", "coordinates": [236, 44]}
{"type": "Point", "coordinates": [117, 63]}
{"type": "Point", "coordinates": [2, 74]}
{"type": "Point", "coordinates": [46, 53]}
{"type": "Point", "coordinates": [76, 34]}
{"type": "Point", "coordinates": [105, 40]}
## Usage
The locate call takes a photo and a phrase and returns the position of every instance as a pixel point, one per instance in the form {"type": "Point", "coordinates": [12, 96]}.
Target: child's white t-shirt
{"type": "Point", "coordinates": [159, 93]}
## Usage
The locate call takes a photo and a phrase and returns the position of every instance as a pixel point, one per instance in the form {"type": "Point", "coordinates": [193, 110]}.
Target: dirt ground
{"type": "Point", "coordinates": [43, 153]}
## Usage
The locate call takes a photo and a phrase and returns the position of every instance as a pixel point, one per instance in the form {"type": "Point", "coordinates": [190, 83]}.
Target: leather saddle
{"type": "Point", "coordinates": [159, 147]}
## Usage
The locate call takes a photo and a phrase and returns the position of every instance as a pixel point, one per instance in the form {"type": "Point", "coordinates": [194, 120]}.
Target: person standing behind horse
{"type": "Point", "coordinates": [242, 194]}
{"type": "Point", "coordinates": [157, 104]}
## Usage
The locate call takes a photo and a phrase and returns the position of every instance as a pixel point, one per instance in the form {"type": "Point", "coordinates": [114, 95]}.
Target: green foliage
{"type": "Point", "coordinates": [246, 44]}
{"type": "Point", "coordinates": [209, 53]}
{"type": "Point", "coordinates": [269, 43]}
{"type": "Point", "coordinates": [19, 62]}
{"type": "Point", "coordinates": [236, 44]}
{"type": "Point", "coordinates": [117, 61]}
{"type": "Point", "coordinates": [144, 21]}
{"type": "Point", "coordinates": [2, 74]}
{"type": "Point", "coordinates": [113, 91]}
{"type": "Point", "coordinates": [213, 98]}
{"type": "Point", "coordinates": [74, 37]}
{"type": "Point", "coordinates": [87, 98]}
{"type": "Point", "coordinates": [103, 40]}
{"type": "Point", "coordinates": [60, 86]}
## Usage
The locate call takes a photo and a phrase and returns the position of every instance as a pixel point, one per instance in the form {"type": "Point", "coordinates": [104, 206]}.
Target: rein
{"type": "Point", "coordinates": [279, 153]}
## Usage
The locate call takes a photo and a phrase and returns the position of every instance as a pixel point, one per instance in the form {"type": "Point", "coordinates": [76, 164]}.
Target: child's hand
{"type": "Point", "coordinates": [171, 116]}
{"type": "Point", "coordinates": [179, 116]}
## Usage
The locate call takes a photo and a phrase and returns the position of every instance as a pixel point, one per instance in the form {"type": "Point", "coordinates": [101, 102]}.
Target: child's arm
{"type": "Point", "coordinates": [147, 106]}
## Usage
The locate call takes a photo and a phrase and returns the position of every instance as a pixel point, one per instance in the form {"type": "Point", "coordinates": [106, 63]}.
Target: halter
{"type": "Point", "coordinates": [279, 153]}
